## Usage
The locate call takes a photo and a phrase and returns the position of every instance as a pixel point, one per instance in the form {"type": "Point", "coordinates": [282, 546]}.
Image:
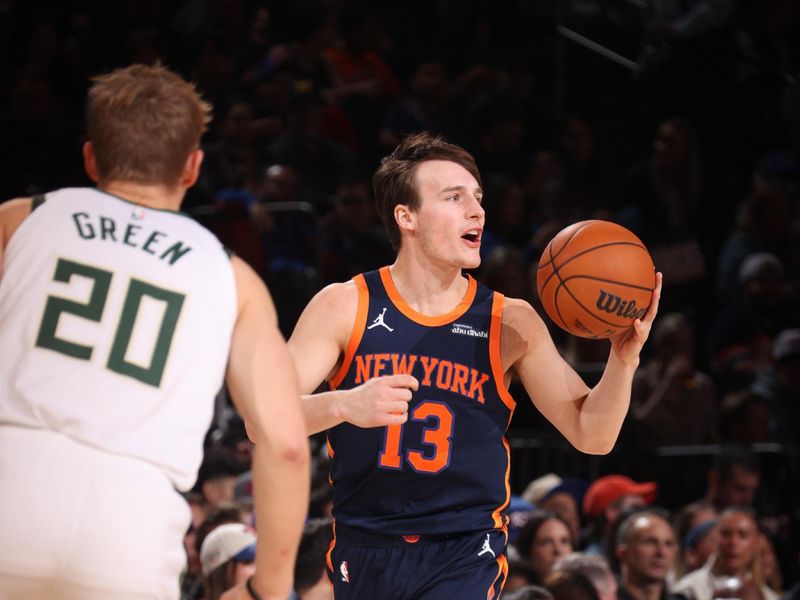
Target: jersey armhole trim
{"type": "Point", "coordinates": [495, 358]}
{"type": "Point", "coordinates": [37, 200]}
{"type": "Point", "coordinates": [357, 332]}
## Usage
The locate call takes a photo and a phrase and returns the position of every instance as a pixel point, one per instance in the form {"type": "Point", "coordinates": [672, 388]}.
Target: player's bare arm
{"type": "Point", "coordinates": [12, 213]}
{"type": "Point", "coordinates": [318, 344]}
{"type": "Point", "coordinates": [590, 418]}
{"type": "Point", "coordinates": [263, 385]}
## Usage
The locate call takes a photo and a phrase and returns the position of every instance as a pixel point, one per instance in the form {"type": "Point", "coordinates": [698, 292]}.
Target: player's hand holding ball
{"type": "Point", "coordinates": [596, 280]}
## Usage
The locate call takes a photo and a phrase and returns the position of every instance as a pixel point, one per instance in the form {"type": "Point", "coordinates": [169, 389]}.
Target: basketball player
{"type": "Point", "coordinates": [419, 357]}
{"type": "Point", "coordinates": [118, 317]}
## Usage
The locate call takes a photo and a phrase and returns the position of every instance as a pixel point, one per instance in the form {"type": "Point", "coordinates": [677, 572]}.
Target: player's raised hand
{"type": "Point", "coordinates": [380, 401]}
{"type": "Point", "coordinates": [628, 344]}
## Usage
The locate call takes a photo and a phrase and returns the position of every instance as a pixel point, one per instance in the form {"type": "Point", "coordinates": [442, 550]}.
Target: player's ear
{"type": "Point", "coordinates": [89, 162]}
{"type": "Point", "coordinates": [191, 170]}
{"type": "Point", "coordinates": [404, 217]}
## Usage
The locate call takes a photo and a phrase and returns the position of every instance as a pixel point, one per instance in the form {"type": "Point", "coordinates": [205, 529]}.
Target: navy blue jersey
{"type": "Point", "coordinates": [446, 469]}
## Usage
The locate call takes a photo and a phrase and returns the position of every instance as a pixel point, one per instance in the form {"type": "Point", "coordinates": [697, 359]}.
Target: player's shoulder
{"type": "Point", "coordinates": [16, 205]}
{"type": "Point", "coordinates": [522, 329]}
{"type": "Point", "coordinates": [519, 313]}
{"type": "Point", "coordinates": [336, 299]}
{"type": "Point", "coordinates": [12, 213]}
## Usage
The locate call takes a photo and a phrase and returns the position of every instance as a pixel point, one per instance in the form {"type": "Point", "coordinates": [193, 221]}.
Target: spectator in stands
{"type": "Point", "coordinates": [696, 528]}
{"type": "Point", "coordinates": [571, 585]}
{"type": "Point", "coordinates": [732, 569]}
{"type": "Point", "coordinates": [227, 554]}
{"type": "Point", "coordinates": [216, 479]}
{"type": "Point", "coordinates": [544, 539]}
{"type": "Point", "coordinates": [733, 478]}
{"type": "Point", "coordinates": [663, 204]}
{"type": "Point", "coordinates": [672, 402]}
{"type": "Point", "coordinates": [646, 547]}
{"type": "Point", "coordinates": [741, 336]}
{"type": "Point", "coordinates": [746, 418]}
{"type": "Point", "coordinates": [528, 592]}
{"type": "Point", "coordinates": [605, 499]}
{"type": "Point", "coordinates": [310, 577]}
{"type": "Point", "coordinates": [780, 385]}
{"type": "Point", "coordinates": [594, 567]}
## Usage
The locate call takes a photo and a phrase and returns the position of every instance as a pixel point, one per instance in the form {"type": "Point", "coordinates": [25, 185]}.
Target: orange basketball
{"type": "Point", "coordinates": [595, 278]}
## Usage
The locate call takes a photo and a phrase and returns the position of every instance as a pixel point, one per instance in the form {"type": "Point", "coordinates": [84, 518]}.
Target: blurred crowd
{"type": "Point", "coordinates": [696, 150]}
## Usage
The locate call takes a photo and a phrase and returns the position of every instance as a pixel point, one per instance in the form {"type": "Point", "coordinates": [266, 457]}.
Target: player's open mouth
{"type": "Point", "coordinates": [473, 237]}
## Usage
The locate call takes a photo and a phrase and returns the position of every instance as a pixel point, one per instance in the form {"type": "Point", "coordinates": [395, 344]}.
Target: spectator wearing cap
{"type": "Point", "coordinates": [646, 547]}
{"type": "Point", "coordinates": [695, 554]}
{"type": "Point", "coordinates": [518, 511]}
{"type": "Point", "coordinates": [537, 488]}
{"type": "Point", "coordinates": [780, 385]}
{"type": "Point", "coordinates": [227, 557]}
{"type": "Point", "coordinates": [698, 545]}
{"type": "Point", "coordinates": [605, 499]}
{"type": "Point", "coordinates": [731, 571]}
{"type": "Point", "coordinates": [543, 540]}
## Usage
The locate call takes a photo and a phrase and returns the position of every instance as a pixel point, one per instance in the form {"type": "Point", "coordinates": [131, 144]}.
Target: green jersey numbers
{"type": "Point", "coordinates": [140, 298]}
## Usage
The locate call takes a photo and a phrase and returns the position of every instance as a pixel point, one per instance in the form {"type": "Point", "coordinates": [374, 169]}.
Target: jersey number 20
{"type": "Point", "coordinates": [93, 311]}
{"type": "Point", "coordinates": [437, 437]}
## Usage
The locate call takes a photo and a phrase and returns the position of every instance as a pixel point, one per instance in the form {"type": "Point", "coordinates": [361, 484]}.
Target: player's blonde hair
{"type": "Point", "coordinates": [143, 123]}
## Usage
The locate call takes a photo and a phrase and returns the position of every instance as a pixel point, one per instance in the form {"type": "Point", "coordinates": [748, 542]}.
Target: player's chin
{"type": "Point", "coordinates": [471, 262]}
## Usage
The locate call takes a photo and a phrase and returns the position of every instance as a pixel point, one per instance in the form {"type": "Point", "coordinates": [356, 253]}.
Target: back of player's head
{"type": "Point", "coordinates": [143, 123]}
{"type": "Point", "coordinates": [394, 182]}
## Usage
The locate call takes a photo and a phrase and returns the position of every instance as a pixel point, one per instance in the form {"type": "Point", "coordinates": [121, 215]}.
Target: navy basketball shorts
{"type": "Point", "coordinates": [470, 566]}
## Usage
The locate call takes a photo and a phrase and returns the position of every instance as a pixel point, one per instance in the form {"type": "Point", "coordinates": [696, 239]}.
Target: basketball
{"type": "Point", "coordinates": [595, 278]}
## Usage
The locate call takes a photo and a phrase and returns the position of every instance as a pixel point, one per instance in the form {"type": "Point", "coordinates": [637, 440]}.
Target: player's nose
{"type": "Point", "coordinates": [475, 210]}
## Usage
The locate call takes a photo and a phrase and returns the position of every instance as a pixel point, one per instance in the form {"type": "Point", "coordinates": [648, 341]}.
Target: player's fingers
{"type": "Point", "coordinates": [653, 309]}
{"type": "Point", "coordinates": [399, 407]}
{"type": "Point", "coordinates": [401, 380]}
{"type": "Point", "coordinates": [396, 418]}
{"type": "Point", "coordinates": [404, 394]}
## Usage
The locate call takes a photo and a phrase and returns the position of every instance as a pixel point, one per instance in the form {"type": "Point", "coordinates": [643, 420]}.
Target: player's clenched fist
{"type": "Point", "coordinates": [380, 401]}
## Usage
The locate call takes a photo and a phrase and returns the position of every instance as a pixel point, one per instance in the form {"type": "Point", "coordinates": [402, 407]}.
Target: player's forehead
{"type": "Point", "coordinates": [436, 176]}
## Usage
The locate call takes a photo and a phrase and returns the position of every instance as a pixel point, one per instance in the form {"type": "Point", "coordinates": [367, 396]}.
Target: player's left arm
{"type": "Point", "coordinates": [590, 418]}
{"type": "Point", "coordinates": [12, 213]}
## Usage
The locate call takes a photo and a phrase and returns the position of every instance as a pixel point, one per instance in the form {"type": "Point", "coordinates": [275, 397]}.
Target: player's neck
{"type": "Point", "coordinates": [151, 196]}
{"type": "Point", "coordinates": [428, 288]}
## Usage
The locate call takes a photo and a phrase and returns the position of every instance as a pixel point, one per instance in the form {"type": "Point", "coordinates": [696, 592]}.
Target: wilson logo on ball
{"type": "Point", "coordinates": [613, 304]}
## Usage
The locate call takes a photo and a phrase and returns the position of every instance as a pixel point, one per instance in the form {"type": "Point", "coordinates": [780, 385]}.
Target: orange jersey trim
{"type": "Point", "coordinates": [495, 356]}
{"type": "Point", "coordinates": [418, 317]}
{"type": "Point", "coordinates": [502, 571]}
{"type": "Point", "coordinates": [497, 515]}
{"type": "Point", "coordinates": [329, 553]}
{"type": "Point", "coordinates": [357, 332]}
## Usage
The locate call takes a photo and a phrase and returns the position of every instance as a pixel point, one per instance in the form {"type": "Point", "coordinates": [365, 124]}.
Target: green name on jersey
{"type": "Point", "coordinates": [130, 234]}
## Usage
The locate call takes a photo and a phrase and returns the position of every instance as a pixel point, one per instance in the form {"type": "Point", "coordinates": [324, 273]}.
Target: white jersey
{"type": "Point", "coordinates": [115, 327]}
